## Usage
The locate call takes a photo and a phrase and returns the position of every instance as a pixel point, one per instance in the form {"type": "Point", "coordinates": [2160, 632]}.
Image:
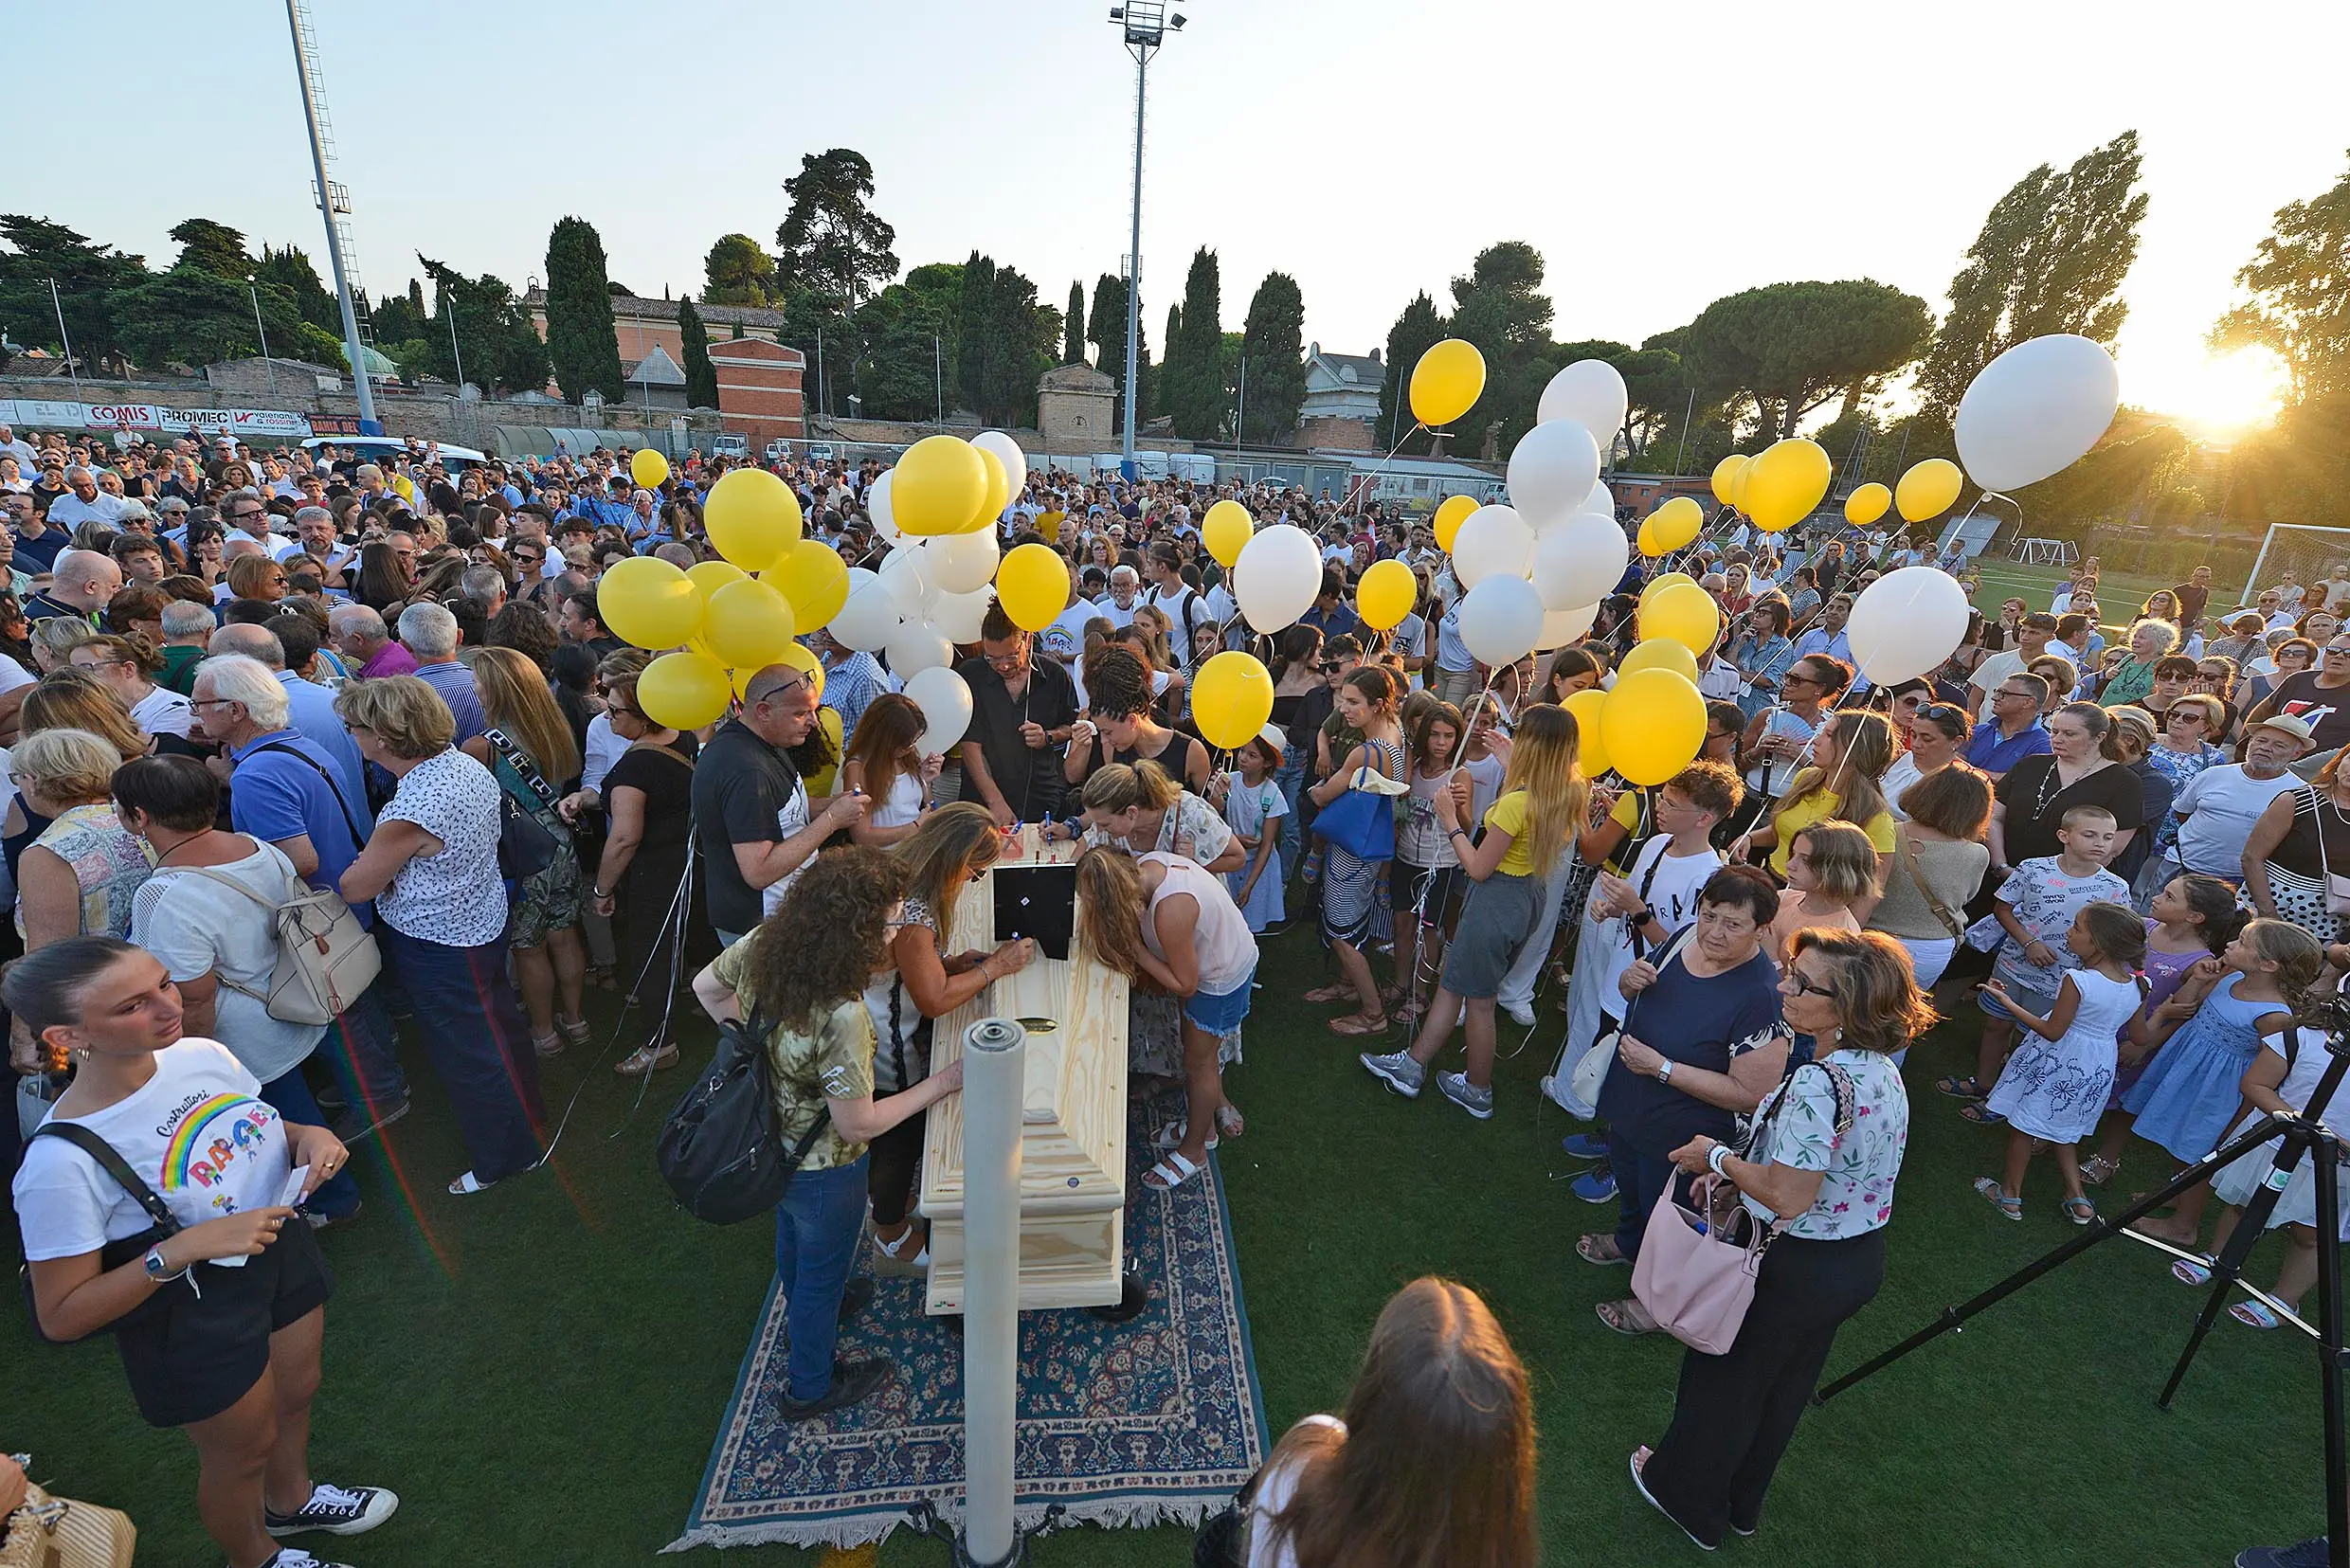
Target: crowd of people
{"type": "Point", "coordinates": [230, 680]}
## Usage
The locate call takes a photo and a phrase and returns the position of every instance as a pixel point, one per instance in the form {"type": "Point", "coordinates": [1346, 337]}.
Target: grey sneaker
{"type": "Point", "coordinates": [338, 1510]}
{"type": "Point", "coordinates": [1456, 1088]}
{"type": "Point", "coordinates": [1398, 1071]}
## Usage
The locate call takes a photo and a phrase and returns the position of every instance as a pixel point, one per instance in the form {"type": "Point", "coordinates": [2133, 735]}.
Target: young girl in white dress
{"type": "Point", "coordinates": [2053, 1088]}
{"type": "Point", "coordinates": [1253, 808]}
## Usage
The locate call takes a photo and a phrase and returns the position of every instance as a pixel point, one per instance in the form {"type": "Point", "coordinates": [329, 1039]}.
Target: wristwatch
{"type": "Point", "coordinates": [1664, 1072]}
{"type": "Point", "coordinates": [158, 1269]}
{"type": "Point", "coordinates": [1715, 1158]}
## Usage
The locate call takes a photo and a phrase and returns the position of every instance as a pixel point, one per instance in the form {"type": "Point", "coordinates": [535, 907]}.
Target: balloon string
{"type": "Point", "coordinates": [1361, 485]}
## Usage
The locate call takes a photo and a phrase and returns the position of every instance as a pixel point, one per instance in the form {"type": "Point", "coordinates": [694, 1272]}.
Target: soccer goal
{"type": "Point", "coordinates": [2299, 554]}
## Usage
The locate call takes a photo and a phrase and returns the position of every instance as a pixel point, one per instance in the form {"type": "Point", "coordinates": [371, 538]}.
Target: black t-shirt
{"type": "Point", "coordinates": [2037, 805]}
{"type": "Point", "coordinates": [667, 785]}
{"type": "Point", "coordinates": [1029, 778]}
{"type": "Point", "coordinates": [2326, 709]}
{"type": "Point", "coordinates": [741, 786]}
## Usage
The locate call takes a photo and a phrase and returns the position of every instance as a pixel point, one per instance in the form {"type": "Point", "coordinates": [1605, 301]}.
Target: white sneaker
{"type": "Point", "coordinates": [294, 1556]}
{"type": "Point", "coordinates": [1521, 1013]}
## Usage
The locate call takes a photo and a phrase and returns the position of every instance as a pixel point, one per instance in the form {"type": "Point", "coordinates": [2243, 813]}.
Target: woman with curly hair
{"type": "Point", "coordinates": [801, 980]}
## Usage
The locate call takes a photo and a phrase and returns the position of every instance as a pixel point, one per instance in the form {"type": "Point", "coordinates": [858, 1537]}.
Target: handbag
{"type": "Point", "coordinates": [1362, 822]}
{"type": "Point", "coordinates": [1906, 854]}
{"type": "Point", "coordinates": [1697, 1266]}
{"type": "Point", "coordinates": [525, 847]}
{"type": "Point", "coordinates": [115, 1253]}
{"type": "Point", "coordinates": [326, 959]}
{"type": "Point", "coordinates": [2337, 888]}
{"type": "Point", "coordinates": [47, 1531]}
{"type": "Point", "coordinates": [718, 1151]}
{"type": "Point", "coordinates": [1591, 1069]}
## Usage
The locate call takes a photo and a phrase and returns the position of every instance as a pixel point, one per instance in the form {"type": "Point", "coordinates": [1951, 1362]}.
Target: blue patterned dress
{"type": "Point", "coordinates": [2190, 1091]}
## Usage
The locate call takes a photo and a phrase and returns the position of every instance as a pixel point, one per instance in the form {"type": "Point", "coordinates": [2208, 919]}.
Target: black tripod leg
{"type": "Point", "coordinates": [2328, 1172]}
{"type": "Point", "coordinates": [2228, 1266]}
{"type": "Point", "coordinates": [2102, 1228]}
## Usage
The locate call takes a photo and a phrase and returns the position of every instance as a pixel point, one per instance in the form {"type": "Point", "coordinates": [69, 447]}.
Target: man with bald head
{"type": "Point", "coordinates": [81, 584]}
{"type": "Point", "coordinates": [366, 643]}
{"type": "Point", "coordinates": [309, 706]}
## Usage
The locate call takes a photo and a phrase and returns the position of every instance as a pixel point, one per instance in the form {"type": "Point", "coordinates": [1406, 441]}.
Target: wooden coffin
{"type": "Point", "coordinates": [1072, 1146]}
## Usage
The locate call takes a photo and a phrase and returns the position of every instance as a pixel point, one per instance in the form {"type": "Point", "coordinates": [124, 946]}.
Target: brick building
{"type": "Point", "coordinates": [759, 376]}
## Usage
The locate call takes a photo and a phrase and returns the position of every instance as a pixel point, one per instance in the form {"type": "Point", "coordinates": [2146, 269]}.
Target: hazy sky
{"type": "Point", "coordinates": [1658, 156]}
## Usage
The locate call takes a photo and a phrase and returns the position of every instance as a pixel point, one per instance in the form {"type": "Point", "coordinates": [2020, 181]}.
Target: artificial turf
{"type": "Point", "coordinates": [539, 1371]}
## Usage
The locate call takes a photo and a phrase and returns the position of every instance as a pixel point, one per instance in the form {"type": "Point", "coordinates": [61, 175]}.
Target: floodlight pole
{"type": "Point", "coordinates": [1144, 23]}
{"type": "Point", "coordinates": [326, 210]}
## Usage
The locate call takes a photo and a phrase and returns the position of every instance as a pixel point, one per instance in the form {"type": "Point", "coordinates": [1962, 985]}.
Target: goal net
{"type": "Point", "coordinates": [2296, 555]}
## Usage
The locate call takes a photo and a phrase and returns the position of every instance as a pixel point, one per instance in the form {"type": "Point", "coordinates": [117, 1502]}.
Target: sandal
{"type": "Point", "coordinates": [644, 1060]}
{"type": "Point", "coordinates": [1229, 1121]}
{"type": "Point", "coordinates": [1627, 1317]}
{"type": "Point", "coordinates": [602, 977]}
{"type": "Point", "coordinates": [546, 1045]}
{"type": "Point", "coordinates": [2097, 1170]}
{"type": "Point", "coordinates": [1358, 1023]}
{"type": "Point", "coordinates": [2191, 1271]}
{"type": "Point", "coordinates": [1601, 1248]}
{"type": "Point", "coordinates": [2012, 1208]}
{"type": "Point", "coordinates": [909, 1257]}
{"type": "Point", "coordinates": [1337, 992]}
{"type": "Point", "coordinates": [578, 1031]}
{"type": "Point", "coordinates": [1172, 1135]}
{"type": "Point", "coordinates": [1982, 1114]}
{"type": "Point", "coordinates": [1169, 1173]}
{"type": "Point", "coordinates": [2079, 1210]}
{"type": "Point", "coordinates": [1968, 1088]}
{"type": "Point", "coordinates": [467, 1185]}
{"type": "Point", "coordinates": [2252, 1314]}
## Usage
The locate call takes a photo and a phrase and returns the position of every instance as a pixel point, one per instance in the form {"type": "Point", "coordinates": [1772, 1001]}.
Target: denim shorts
{"type": "Point", "coordinates": [1219, 1014]}
{"type": "Point", "coordinates": [2038, 1002]}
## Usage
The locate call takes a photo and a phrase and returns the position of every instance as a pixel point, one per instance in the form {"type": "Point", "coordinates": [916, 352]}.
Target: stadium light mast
{"type": "Point", "coordinates": [1145, 24]}
{"type": "Point", "coordinates": [305, 67]}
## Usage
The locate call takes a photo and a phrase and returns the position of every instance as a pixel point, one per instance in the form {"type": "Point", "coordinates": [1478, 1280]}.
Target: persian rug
{"type": "Point", "coordinates": [1154, 1422]}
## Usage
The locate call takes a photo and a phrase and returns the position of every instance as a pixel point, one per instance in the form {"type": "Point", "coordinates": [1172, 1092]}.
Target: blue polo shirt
{"type": "Point", "coordinates": [1987, 751]}
{"type": "Point", "coordinates": [284, 787]}
{"type": "Point", "coordinates": [310, 713]}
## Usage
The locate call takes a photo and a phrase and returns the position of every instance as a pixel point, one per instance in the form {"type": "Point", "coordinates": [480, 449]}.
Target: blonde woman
{"type": "Point", "coordinates": [1842, 779]}
{"type": "Point", "coordinates": [528, 748]}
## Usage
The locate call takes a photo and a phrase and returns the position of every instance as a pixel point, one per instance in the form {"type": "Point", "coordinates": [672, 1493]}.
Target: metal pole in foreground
{"type": "Point", "coordinates": [65, 341]}
{"type": "Point", "coordinates": [254, 289]}
{"type": "Point", "coordinates": [326, 210]}
{"type": "Point", "coordinates": [995, 1055]}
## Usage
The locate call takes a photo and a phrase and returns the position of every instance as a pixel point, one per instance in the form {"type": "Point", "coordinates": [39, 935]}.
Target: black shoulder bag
{"type": "Point", "coordinates": [115, 1253]}
{"type": "Point", "coordinates": [525, 847]}
{"type": "Point", "coordinates": [718, 1150]}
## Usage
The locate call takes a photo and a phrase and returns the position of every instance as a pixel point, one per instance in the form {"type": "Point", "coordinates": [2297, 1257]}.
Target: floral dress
{"type": "Point", "coordinates": [2179, 767]}
{"type": "Point", "coordinates": [107, 859]}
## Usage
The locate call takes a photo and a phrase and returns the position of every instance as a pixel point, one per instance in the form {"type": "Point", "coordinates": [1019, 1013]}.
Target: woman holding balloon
{"type": "Point", "coordinates": [1352, 875]}
{"type": "Point", "coordinates": [1848, 759]}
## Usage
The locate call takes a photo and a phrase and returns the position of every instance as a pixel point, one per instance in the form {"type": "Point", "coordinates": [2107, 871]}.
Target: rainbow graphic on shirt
{"type": "Point", "coordinates": [212, 1136]}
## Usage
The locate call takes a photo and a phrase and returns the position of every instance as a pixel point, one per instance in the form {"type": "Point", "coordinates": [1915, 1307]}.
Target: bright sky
{"type": "Point", "coordinates": [1656, 159]}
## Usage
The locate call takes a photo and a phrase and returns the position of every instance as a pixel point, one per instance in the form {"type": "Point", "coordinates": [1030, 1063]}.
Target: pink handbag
{"type": "Point", "coordinates": [1697, 1268]}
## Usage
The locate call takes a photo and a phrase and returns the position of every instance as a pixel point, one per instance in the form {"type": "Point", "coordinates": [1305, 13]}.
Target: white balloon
{"type": "Point", "coordinates": [1560, 627]}
{"type": "Point", "coordinates": [877, 507]}
{"type": "Point", "coordinates": [1277, 575]}
{"type": "Point", "coordinates": [1008, 453]}
{"type": "Point", "coordinates": [1493, 541]}
{"type": "Point", "coordinates": [957, 616]}
{"type": "Point", "coordinates": [2036, 409]}
{"type": "Point", "coordinates": [1590, 393]}
{"type": "Point", "coordinates": [1501, 619]}
{"type": "Point", "coordinates": [1580, 561]}
{"type": "Point", "coordinates": [1906, 622]}
{"type": "Point", "coordinates": [867, 620]}
{"type": "Point", "coordinates": [944, 699]}
{"type": "Point", "coordinates": [1551, 471]}
{"type": "Point", "coordinates": [913, 648]}
{"type": "Point", "coordinates": [907, 579]}
{"type": "Point", "coordinates": [961, 562]}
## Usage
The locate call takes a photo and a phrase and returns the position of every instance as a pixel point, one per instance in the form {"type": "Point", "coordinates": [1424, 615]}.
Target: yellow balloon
{"type": "Point", "coordinates": [684, 690]}
{"type": "Point", "coordinates": [648, 468]}
{"type": "Point", "coordinates": [1659, 653]}
{"type": "Point", "coordinates": [1385, 596]}
{"type": "Point", "coordinates": [1451, 513]}
{"type": "Point", "coordinates": [1677, 523]}
{"type": "Point", "coordinates": [811, 576]}
{"type": "Point", "coordinates": [1647, 540]}
{"type": "Point", "coordinates": [1590, 732]}
{"type": "Point", "coordinates": [999, 492]}
{"type": "Point", "coordinates": [749, 624]}
{"type": "Point", "coordinates": [1661, 582]}
{"type": "Point", "coordinates": [1725, 479]}
{"type": "Point", "coordinates": [1685, 614]}
{"type": "Point", "coordinates": [807, 664]}
{"type": "Point", "coordinates": [751, 518]}
{"type": "Point", "coordinates": [1867, 504]}
{"type": "Point", "coordinates": [1445, 384]}
{"type": "Point", "coordinates": [1231, 699]}
{"type": "Point", "coordinates": [938, 486]}
{"type": "Point", "coordinates": [707, 576]}
{"type": "Point", "coordinates": [1786, 482]}
{"type": "Point", "coordinates": [649, 603]}
{"type": "Point", "coordinates": [1224, 529]}
{"type": "Point", "coordinates": [1929, 490]}
{"type": "Point", "coordinates": [1655, 725]}
{"type": "Point", "coordinates": [1032, 584]}
{"type": "Point", "coordinates": [1737, 483]}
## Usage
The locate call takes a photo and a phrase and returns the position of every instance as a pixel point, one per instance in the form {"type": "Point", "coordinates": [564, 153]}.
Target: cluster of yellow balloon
{"type": "Point", "coordinates": [944, 484]}
{"type": "Point", "coordinates": [1929, 490]}
{"type": "Point", "coordinates": [1671, 526]}
{"type": "Point", "coordinates": [1446, 382]}
{"type": "Point", "coordinates": [1729, 479]}
{"type": "Point", "coordinates": [1781, 484]}
{"type": "Point", "coordinates": [1231, 699]}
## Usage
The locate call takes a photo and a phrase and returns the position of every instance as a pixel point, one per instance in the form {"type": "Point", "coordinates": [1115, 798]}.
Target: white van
{"type": "Point", "coordinates": [382, 448]}
{"type": "Point", "coordinates": [779, 451]}
{"type": "Point", "coordinates": [730, 446]}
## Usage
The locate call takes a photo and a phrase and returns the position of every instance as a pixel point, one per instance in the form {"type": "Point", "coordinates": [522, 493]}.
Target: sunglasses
{"type": "Point", "coordinates": [1937, 713]}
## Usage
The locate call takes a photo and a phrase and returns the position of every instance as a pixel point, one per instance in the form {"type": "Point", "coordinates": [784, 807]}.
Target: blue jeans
{"type": "Point", "coordinates": [337, 1197]}
{"type": "Point", "coordinates": [1289, 778]}
{"type": "Point", "coordinates": [361, 1045]}
{"type": "Point", "coordinates": [473, 1030]}
{"type": "Point", "coordinates": [1640, 1179]}
{"type": "Point", "coordinates": [817, 1228]}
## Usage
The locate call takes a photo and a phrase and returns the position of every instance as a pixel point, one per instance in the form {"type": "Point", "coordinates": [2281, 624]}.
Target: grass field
{"type": "Point", "coordinates": [539, 1371]}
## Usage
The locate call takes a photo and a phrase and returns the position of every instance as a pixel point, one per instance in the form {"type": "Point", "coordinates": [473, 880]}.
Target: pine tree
{"type": "Point", "coordinates": [1105, 327]}
{"type": "Point", "coordinates": [1073, 327]}
{"type": "Point", "coordinates": [1418, 330]}
{"type": "Point", "coordinates": [583, 343]}
{"type": "Point", "coordinates": [1192, 385]}
{"type": "Point", "coordinates": [702, 377]}
{"type": "Point", "coordinates": [1274, 342]}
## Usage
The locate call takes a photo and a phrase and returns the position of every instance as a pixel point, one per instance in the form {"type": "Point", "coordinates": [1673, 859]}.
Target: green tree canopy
{"type": "Point", "coordinates": [2050, 258]}
{"type": "Point", "coordinates": [1073, 327]}
{"type": "Point", "coordinates": [1003, 341]}
{"type": "Point", "coordinates": [834, 245]}
{"type": "Point", "coordinates": [1105, 328]}
{"type": "Point", "coordinates": [702, 377]}
{"type": "Point", "coordinates": [2299, 286]}
{"type": "Point", "coordinates": [501, 350]}
{"type": "Point", "coordinates": [737, 272]}
{"type": "Point", "coordinates": [89, 276]}
{"type": "Point", "coordinates": [212, 247]}
{"type": "Point", "coordinates": [909, 336]}
{"type": "Point", "coordinates": [290, 270]}
{"type": "Point", "coordinates": [1192, 387]}
{"type": "Point", "coordinates": [1500, 307]}
{"type": "Point", "coordinates": [1273, 339]}
{"type": "Point", "coordinates": [1414, 332]}
{"type": "Point", "coordinates": [583, 342]}
{"type": "Point", "coordinates": [194, 317]}
{"type": "Point", "coordinates": [1787, 349]}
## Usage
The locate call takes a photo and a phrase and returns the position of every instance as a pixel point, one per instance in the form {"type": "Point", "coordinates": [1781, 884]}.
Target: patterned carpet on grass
{"type": "Point", "coordinates": [1149, 1422]}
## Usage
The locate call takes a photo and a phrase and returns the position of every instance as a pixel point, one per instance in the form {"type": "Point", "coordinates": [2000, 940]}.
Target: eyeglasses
{"type": "Point", "coordinates": [2011, 691]}
{"type": "Point", "coordinates": [1804, 988]}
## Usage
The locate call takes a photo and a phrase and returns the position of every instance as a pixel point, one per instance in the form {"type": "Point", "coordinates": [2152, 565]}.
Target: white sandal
{"type": "Point", "coordinates": [1169, 1173]}
{"type": "Point", "coordinates": [1172, 1135]}
{"type": "Point", "coordinates": [467, 1185]}
{"type": "Point", "coordinates": [891, 1261]}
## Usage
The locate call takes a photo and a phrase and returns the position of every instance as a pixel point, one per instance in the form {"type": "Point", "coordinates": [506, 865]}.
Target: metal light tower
{"type": "Point", "coordinates": [305, 67]}
{"type": "Point", "coordinates": [1146, 22]}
